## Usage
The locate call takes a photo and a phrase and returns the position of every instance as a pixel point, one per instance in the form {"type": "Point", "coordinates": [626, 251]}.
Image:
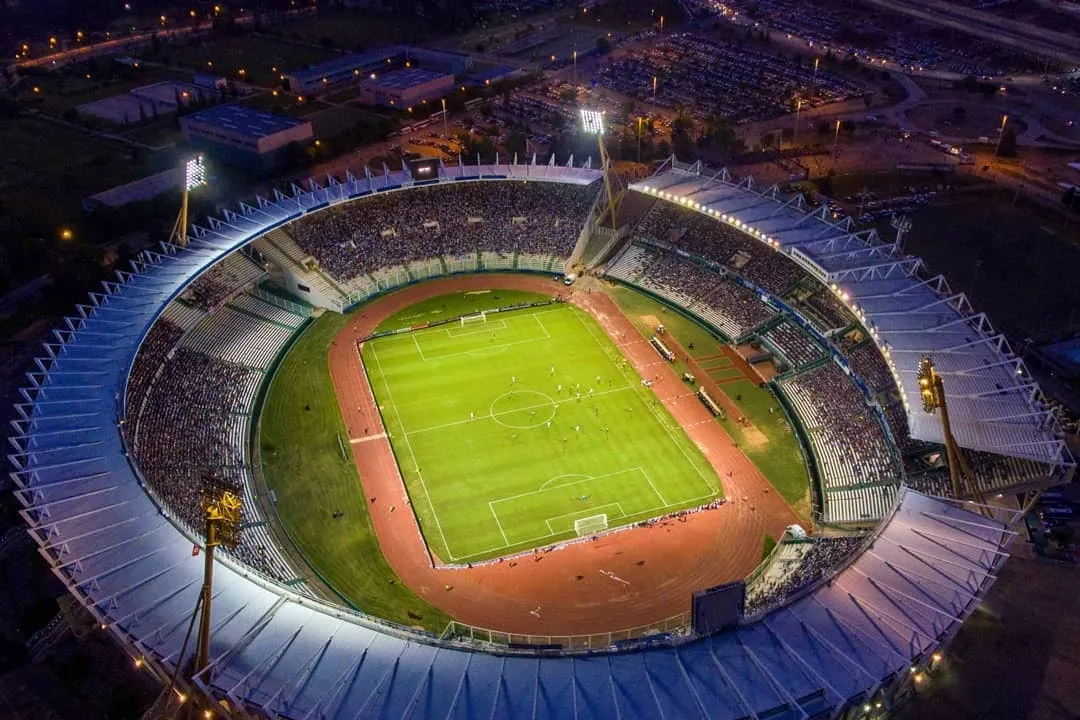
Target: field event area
{"type": "Point", "coordinates": [519, 429]}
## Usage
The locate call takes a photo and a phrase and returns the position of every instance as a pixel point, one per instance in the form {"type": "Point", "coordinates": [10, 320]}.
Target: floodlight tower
{"type": "Point", "coordinates": [932, 390]}
{"type": "Point", "coordinates": [194, 177]}
{"type": "Point", "coordinates": [222, 509]}
{"type": "Point", "coordinates": [592, 122]}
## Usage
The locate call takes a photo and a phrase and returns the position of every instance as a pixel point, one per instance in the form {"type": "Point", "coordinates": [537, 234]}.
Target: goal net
{"type": "Point", "coordinates": [480, 317]}
{"type": "Point", "coordinates": [590, 525]}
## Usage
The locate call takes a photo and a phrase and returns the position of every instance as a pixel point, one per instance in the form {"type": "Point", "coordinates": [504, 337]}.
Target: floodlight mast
{"type": "Point", "coordinates": [222, 511]}
{"type": "Point", "coordinates": [592, 122]}
{"type": "Point", "coordinates": [932, 391]}
{"type": "Point", "coordinates": [194, 178]}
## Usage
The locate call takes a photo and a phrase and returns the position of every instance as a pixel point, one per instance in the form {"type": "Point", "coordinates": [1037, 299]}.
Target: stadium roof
{"type": "Point", "coordinates": [994, 404]}
{"type": "Point", "coordinates": [283, 654]}
{"type": "Point", "coordinates": [244, 121]}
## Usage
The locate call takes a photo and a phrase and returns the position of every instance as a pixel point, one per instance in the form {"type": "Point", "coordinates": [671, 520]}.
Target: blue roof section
{"type": "Point", "coordinates": [245, 121]}
{"type": "Point", "coordinates": [348, 63]}
{"type": "Point", "coordinates": [407, 78]}
{"type": "Point", "coordinates": [283, 654]}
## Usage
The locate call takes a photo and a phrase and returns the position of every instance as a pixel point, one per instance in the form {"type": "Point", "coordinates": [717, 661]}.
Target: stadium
{"type": "Point", "coordinates": [186, 370]}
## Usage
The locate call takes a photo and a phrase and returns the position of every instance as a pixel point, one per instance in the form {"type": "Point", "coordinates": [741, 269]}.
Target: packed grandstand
{"type": "Point", "coordinates": [112, 459]}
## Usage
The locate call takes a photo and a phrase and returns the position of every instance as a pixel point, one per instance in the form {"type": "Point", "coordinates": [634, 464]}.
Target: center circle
{"type": "Point", "coordinates": [522, 409]}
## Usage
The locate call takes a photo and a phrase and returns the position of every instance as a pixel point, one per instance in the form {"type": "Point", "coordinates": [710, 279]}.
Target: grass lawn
{"type": "Point", "coordinates": [227, 54]}
{"type": "Point", "coordinates": [779, 459]}
{"type": "Point", "coordinates": [770, 543]}
{"type": "Point", "coordinates": [46, 171]}
{"type": "Point", "coordinates": [302, 463]}
{"type": "Point", "coordinates": [499, 431]}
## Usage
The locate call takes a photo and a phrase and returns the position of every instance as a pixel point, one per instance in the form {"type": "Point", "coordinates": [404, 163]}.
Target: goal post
{"type": "Point", "coordinates": [590, 525]}
{"type": "Point", "coordinates": [480, 317]}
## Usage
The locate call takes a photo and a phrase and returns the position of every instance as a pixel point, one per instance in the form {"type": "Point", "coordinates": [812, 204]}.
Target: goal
{"type": "Point", "coordinates": [480, 317]}
{"type": "Point", "coordinates": [590, 525]}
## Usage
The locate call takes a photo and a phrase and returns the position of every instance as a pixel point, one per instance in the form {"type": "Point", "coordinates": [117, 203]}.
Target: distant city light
{"type": "Point", "coordinates": [195, 174]}
{"type": "Point", "coordinates": [592, 122]}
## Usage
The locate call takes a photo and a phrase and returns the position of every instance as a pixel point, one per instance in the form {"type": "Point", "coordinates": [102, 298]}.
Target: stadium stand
{"type": "Point", "coordinates": [794, 567]}
{"type": "Point", "coordinates": [394, 228]}
{"type": "Point", "coordinates": [279, 654]}
{"type": "Point", "coordinates": [845, 433]}
{"type": "Point", "coordinates": [792, 344]}
{"type": "Point", "coordinates": [729, 307]}
{"type": "Point", "coordinates": [994, 405]}
{"type": "Point", "coordinates": [228, 276]}
{"type": "Point", "coordinates": [191, 395]}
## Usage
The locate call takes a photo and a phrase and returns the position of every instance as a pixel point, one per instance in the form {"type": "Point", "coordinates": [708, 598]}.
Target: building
{"type": "Point", "coordinates": [243, 137]}
{"type": "Point", "coordinates": [353, 68]}
{"type": "Point", "coordinates": [147, 102]}
{"type": "Point", "coordinates": [406, 87]}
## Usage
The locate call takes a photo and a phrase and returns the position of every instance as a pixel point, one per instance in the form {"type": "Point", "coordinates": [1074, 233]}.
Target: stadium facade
{"type": "Point", "coordinates": [846, 647]}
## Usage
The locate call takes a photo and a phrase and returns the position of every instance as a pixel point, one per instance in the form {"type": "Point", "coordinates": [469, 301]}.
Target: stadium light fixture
{"type": "Point", "coordinates": [194, 173]}
{"type": "Point", "coordinates": [592, 122]}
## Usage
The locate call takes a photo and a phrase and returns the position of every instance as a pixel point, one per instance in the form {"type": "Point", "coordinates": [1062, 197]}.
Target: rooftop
{"type": "Point", "coordinates": [406, 78]}
{"type": "Point", "coordinates": [355, 61]}
{"type": "Point", "coordinates": [245, 120]}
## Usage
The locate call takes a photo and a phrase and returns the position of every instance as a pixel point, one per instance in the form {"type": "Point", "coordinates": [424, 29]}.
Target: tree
{"type": "Point", "coordinates": [720, 134]}
{"type": "Point", "coordinates": [515, 143]}
{"type": "Point", "coordinates": [603, 45]}
{"type": "Point", "coordinates": [568, 95]}
{"type": "Point", "coordinates": [1007, 145]}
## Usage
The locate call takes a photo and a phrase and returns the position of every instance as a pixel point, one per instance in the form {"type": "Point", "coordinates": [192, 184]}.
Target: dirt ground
{"type": "Point", "coordinates": [627, 579]}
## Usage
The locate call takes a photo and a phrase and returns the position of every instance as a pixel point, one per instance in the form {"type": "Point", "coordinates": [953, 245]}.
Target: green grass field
{"type": "Point", "coordinates": [499, 451]}
{"type": "Point", "coordinates": [303, 465]}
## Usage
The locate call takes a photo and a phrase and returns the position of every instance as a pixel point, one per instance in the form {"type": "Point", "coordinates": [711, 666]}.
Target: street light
{"type": "Point", "coordinates": [1001, 135]}
{"type": "Point", "coordinates": [639, 139]}
{"type": "Point", "coordinates": [795, 135]}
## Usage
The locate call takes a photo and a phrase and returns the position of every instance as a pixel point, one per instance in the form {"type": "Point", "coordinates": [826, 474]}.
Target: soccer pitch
{"type": "Point", "coordinates": [510, 430]}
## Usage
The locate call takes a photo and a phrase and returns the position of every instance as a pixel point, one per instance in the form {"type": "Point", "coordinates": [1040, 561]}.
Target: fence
{"type": "Point", "coordinates": [662, 632]}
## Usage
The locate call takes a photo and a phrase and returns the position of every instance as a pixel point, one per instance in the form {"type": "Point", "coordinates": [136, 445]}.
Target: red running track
{"type": "Point", "coordinates": [630, 578]}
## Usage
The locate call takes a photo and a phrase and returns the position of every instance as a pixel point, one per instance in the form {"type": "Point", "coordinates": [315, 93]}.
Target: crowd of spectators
{"type": "Point", "coordinates": [395, 228]}
{"type": "Point", "coordinates": [825, 310]}
{"type": "Point", "coordinates": [847, 437]}
{"type": "Point", "coordinates": [190, 415]}
{"type": "Point", "coordinates": [870, 33]}
{"type": "Point", "coordinates": [156, 345]}
{"type": "Point", "coordinates": [746, 83]}
{"type": "Point", "coordinates": [718, 242]}
{"type": "Point", "coordinates": [789, 575]}
{"type": "Point", "coordinates": [868, 363]}
{"type": "Point", "coordinates": [216, 285]}
{"type": "Point", "coordinates": [727, 306]}
{"type": "Point", "coordinates": [794, 345]}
